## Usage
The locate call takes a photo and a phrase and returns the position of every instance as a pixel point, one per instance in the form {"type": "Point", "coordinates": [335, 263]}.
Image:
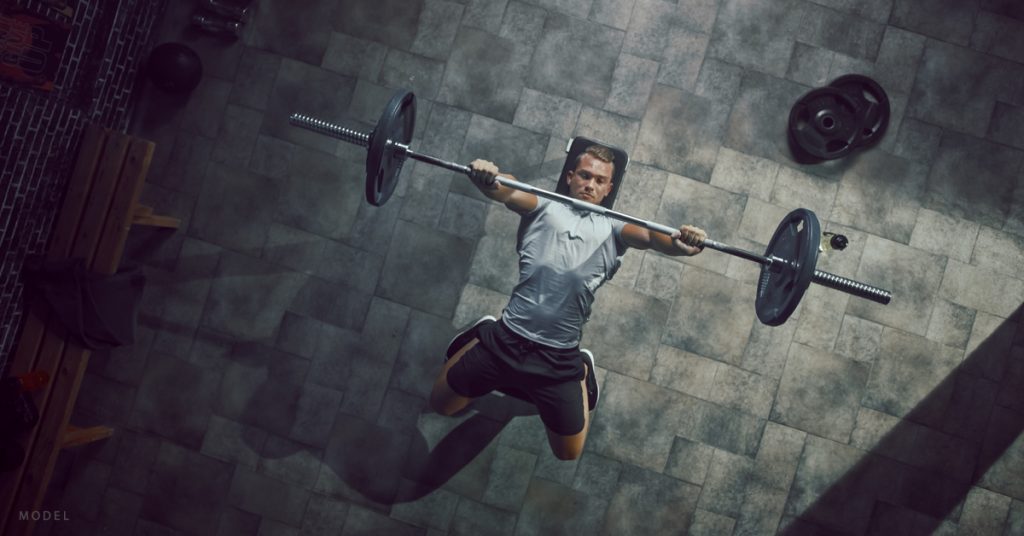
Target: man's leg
{"type": "Point", "coordinates": [570, 447]}
{"type": "Point", "coordinates": [443, 399]}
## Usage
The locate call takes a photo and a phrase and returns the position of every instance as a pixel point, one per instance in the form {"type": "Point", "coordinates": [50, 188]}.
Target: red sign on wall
{"type": "Point", "coordinates": [31, 47]}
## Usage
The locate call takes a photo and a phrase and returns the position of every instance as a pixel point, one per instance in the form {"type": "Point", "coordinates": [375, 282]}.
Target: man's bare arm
{"type": "Point", "coordinates": [679, 244]}
{"type": "Point", "coordinates": [483, 176]}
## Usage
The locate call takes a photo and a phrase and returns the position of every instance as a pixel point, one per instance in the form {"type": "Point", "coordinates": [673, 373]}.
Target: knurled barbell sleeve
{"type": "Point", "coordinates": [323, 127]}
{"type": "Point", "coordinates": [849, 286]}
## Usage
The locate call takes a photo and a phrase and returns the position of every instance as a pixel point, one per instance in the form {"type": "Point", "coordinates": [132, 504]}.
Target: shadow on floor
{"type": "Point", "coordinates": [923, 469]}
{"type": "Point", "coordinates": [396, 466]}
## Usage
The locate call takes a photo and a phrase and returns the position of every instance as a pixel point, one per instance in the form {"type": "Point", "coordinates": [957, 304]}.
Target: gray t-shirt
{"type": "Point", "coordinates": [565, 255]}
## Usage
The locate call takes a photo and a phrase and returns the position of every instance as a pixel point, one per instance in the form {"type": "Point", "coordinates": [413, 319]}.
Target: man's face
{"type": "Point", "coordinates": [591, 181]}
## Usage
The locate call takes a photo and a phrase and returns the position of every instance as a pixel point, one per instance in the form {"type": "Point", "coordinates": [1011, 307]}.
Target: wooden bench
{"type": "Point", "coordinates": [100, 206]}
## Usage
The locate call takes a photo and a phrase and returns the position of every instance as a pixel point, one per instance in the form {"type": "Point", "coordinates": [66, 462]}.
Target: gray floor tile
{"type": "Point", "coordinates": [594, 50]}
{"type": "Point", "coordinates": [297, 249]}
{"type": "Point", "coordinates": [485, 14]}
{"type": "Point", "coordinates": [334, 304]}
{"type": "Point", "coordinates": [324, 516]}
{"type": "Point", "coordinates": [485, 74]}
{"type": "Point", "coordinates": [248, 297]}
{"type": "Point", "coordinates": [434, 510]}
{"type": "Point", "coordinates": [415, 73]}
{"type": "Point", "coordinates": [622, 340]}
{"type": "Point", "coordinates": [647, 35]}
{"type": "Point", "coordinates": [824, 462]}
{"type": "Point", "coordinates": [980, 289]}
{"type": "Point", "coordinates": [650, 502]}
{"type": "Point", "coordinates": [681, 133]}
{"type": "Point", "coordinates": [898, 382]}
{"type": "Point", "coordinates": [421, 357]}
{"type": "Point", "coordinates": [362, 464]}
{"type": "Point", "coordinates": [268, 497]}
{"type": "Point", "coordinates": [709, 523]}
{"type": "Point", "coordinates": [726, 483]}
{"type": "Point", "coordinates": [473, 518]}
{"type": "Point", "coordinates": [1003, 476]}
{"type": "Point", "coordinates": [754, 133]}
{"type": "Point", "coordinates": [410, 274]}
{"type": "Point", "coordinates": [612, 13]}
{"type": "Point", "coordinates": [233, 209]}
{"type": "Point", "coordinates": [322, 194]}
{"type": "Point", "coordinates": [910, 274]}
{"type": "Point", "coordinates": [353, 56]}
{"type": "Point", "coordinates": [719, 80]}
{"type": "Point", "coordinates": [233, 442]}
{"type": "Point", "coordinates": [737, 39]}
{"type": "Point", "coordinates": [842, 33]}
{"type": "Point", "coordinates": [510, 478]}
{"type": "Point", "coordinates": [912, 15]}
{"type": "Point", "coordinates": [684, 372]}
{"type": "Point", "coordinates": [363, 521]}
{"type": "Point", "coordinates": [609, 128]}
{"type": "Point", "coordinates": [391, 22]}
{"type": "Point", "coordinates": [638, 422]}
{"type": "Point", "coordinates": [820, 393]}
{"type": "Point", "coordinates": [710, 311]}
{"type": "Point", "coordinates": [523, 23]}
{"type": "Point", "coordinates": [186, 490]}
{"type": "Point", "coordinates": [438, 25]}
{"type": "Point", "coordinates": [178, 400]}
{"type": "Point", "coordinates": [514, 150]}
{"type": "Point", "coordinates": [939, 98]}
{"type": "Point", "coordinates": [254, 79]}
{"type": "Point", "coordinates": [810, 65]}
{"type": "Point", "coordinates": [280, 28]}
{"type": "Point", "coordinates": [495, 264]}
{"type": "Point", "coordinates": [542, 514]}
{"type": "Point", "coordinates": [724, 428]}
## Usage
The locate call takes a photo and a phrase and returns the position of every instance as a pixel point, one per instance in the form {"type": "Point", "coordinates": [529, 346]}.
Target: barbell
{"type": "Point", "coordinates": [788, 265]}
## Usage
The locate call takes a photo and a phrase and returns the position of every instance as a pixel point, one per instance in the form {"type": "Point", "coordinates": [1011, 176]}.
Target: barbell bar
{"type": "Point", "coordinates": [783, 279]}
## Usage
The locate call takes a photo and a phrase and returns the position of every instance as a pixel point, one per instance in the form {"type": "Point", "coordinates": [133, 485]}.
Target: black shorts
{"type": "Point", "coordinates": [549, 377]}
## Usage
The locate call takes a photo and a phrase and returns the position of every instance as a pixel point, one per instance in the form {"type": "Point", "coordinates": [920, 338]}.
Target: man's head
{"type": "Point", "coordinates": [591, 179]}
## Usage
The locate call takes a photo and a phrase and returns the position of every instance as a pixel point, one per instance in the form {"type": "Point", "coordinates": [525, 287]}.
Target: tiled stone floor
{"type": "Point", "coordinates": [291, 332]}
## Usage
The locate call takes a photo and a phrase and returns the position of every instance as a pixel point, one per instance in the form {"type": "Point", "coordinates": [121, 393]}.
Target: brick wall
{"type": "Point", "coordinates": [40, 131]}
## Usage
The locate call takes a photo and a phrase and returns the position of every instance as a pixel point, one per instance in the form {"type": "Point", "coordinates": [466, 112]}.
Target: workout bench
{"type": "Point", "coordinates": [100, 206]}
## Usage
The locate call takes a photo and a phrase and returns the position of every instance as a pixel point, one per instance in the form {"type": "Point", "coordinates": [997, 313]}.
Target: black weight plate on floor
{"type": "Point", "coordinates": [383, 161]}
{"type": "Point", "coordinates": [779, 291]}
{"type": "Point", "coordinates": [824, 123]}
{"type": "Point", "coordinates": [872, 106]}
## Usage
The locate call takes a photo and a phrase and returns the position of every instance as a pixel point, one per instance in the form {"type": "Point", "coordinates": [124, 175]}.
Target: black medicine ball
{"type": "Point", "coordinates": [174, 67]}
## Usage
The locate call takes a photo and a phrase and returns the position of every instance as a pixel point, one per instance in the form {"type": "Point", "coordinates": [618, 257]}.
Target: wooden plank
{"type": "Point", "coordinates": [89, 156]}
{"type": "Point", "coordinates": [107, 176]}
{"type": "Point", "coordinates": [76, 437]}
{"type": "Point", "coordinates": [141, 211]}
{"type": "Point", "coordinates": [157, 221]}
{"type": "Point", "coordinates": [119, 217]}
{"type": "Point", "coordinates": [62, 236]}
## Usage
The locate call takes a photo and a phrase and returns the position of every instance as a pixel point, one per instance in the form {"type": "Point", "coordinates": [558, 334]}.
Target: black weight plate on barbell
{"type": "Point", "coordinates": [872, 106]}
{"type": "Point", "coordinates": [780, 289]}
{"type": "Point", "coordinates": [383, 160]}
{"type": "Point", "coordinates": [824, 123]}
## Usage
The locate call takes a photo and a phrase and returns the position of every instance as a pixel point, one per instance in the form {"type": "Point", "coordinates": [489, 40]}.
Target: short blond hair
{"type": "Point", "coordinates": [599, 152]}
